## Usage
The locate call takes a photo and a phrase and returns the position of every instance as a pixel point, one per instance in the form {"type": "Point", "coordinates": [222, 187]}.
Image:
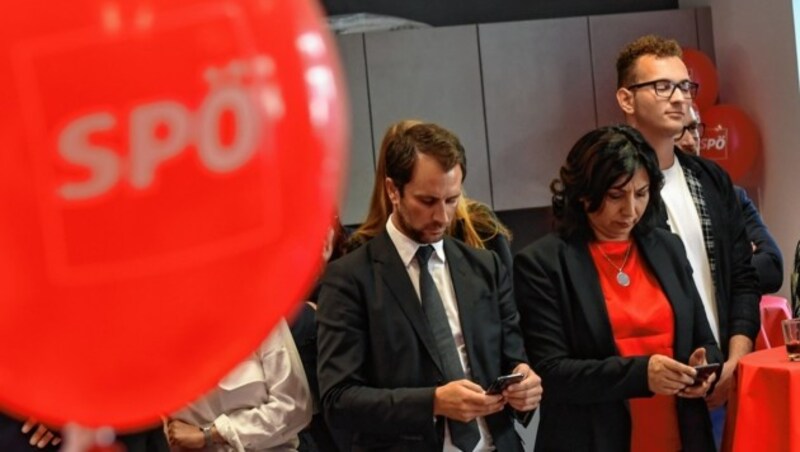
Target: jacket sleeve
{"type": "Point", "coordinates": [343, 342]}
{"type": "Point", "coordinates": [513, 343]}
{"type": "Point", "coordinates": [744, 317]}
{"type": "Point", "coordinates": [548, 328]}
{"type": "Point", "coordinates": [767, 258]}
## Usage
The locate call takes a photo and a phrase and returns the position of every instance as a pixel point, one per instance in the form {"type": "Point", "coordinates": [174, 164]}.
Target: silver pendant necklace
{"type": "Point", "coordinates": [622, 278]}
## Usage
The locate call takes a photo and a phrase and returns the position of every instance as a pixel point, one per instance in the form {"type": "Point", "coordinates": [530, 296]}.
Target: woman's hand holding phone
{"type": "Point", "coordinates": [705, 374]}
{"type": "Point", "coordinates": [667, 376]}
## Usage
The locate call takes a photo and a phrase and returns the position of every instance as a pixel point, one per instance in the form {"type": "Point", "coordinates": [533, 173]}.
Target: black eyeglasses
{"type": "Point", "coordinates": [696, 128]}
{"type": "Point", "coordinates": [666, 88]}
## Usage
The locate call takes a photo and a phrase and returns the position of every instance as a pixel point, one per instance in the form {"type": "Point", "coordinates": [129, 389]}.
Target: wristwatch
{"type": "Point", "coordinates": [206, 429]}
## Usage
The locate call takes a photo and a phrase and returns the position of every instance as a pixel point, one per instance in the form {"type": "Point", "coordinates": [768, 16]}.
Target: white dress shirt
{"type": "Point", "coordinates": [439, 270]}
{"type": "Point", "coordinates": [262, 404]}
{"type": "Point", "coordinates": [685, 222]}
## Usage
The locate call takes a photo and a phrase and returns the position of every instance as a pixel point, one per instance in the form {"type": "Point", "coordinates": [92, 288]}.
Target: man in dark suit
{"type": "Point", "coordinates": [414, 325]}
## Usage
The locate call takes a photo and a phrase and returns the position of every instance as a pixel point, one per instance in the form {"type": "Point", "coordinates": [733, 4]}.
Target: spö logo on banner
{"type": "Point", "coordinates": [714, 145]}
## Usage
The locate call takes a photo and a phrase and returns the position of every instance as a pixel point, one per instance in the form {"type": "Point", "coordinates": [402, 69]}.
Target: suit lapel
{"type": "Point", "coordinates": [589, 294]}
{"type": "Point", "coordinates": [390, 269]}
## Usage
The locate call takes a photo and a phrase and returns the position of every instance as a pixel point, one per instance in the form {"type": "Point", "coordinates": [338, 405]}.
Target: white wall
{"type": "Point", "coordinates": [797, 36]}
{"type": "Point", "coordinates": [757, 61]}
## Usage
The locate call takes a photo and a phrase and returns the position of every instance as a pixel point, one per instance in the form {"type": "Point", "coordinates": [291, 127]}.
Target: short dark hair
{"type": "Point", "coordinates": [645, 45]}
{"type": "Point", "coordinates": [594, 165]}
{"type": "Point", "coordinates": [425, 138]}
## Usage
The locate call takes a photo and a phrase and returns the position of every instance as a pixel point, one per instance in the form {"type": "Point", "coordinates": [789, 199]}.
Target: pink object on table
{"type": "Point", "coordinates": [773, 310]}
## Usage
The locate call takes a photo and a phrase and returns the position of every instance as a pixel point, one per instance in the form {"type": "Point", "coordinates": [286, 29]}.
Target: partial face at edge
{"type": "Point", "coordinates": [690, 139]}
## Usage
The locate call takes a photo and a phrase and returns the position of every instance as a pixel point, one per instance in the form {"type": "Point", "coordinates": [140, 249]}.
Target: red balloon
{"type": "Point", "coordinates": [702, 71]}
{"type": "Point", "coordinates": [168, 174]}
{"type": "Point", "coordinates": [731, 139]}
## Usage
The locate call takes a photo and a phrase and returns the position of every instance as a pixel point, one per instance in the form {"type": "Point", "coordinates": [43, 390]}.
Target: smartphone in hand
{"type": "Point", "coordinates": [703, 372]}
{"type": "Point", "coordinates": [502, 382]}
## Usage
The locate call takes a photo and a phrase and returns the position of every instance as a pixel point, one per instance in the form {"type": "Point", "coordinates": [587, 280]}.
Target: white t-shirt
{"type": "Point", "coordinates": [685, 221]}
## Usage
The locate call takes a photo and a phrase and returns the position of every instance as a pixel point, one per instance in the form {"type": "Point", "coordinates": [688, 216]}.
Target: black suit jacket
{"type": "Point", "coordinates": [377, 366]}
{"type": "Point", "coordinates": [569, 339]}
{"type": "Point", "coordinates": [735, 281]}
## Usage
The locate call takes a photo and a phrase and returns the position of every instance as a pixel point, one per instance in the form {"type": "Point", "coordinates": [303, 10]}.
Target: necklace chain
{"type": "Point", "coordinates": [624, 261]}
{"type": "Point", "coordinates": [622, 278]}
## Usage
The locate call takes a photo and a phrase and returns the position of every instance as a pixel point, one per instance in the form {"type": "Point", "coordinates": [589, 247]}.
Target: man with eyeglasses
{"type": "Point", "coordinates": [654, 92]}
{"type": "Point", "coordinates": [691, 134]}
{"type": "Point", "coordinates": [767, 257]}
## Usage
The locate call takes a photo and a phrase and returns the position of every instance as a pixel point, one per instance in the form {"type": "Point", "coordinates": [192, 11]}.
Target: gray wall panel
{"type": "Point", "coordinates": [545, 82]}
{"type": "Point", "coordinates": [610, 33]}
{"type": "Point", "coordinates": [358, 187]}
{"type": "Point", "coordinates": [434, 75]}
{"type": "Point", "coordinates": [539, 100]}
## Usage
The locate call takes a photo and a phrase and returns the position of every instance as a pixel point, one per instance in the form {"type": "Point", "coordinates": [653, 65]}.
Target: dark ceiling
{"type": "Point", "coordinates": [457, 12]}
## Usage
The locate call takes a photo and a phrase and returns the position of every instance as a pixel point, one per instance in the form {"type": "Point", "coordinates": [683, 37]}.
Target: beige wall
{"type": "Point", "coordinates": [757, 59]}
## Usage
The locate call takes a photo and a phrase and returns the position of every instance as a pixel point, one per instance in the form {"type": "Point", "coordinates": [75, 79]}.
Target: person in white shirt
{"type": "Point", "coordinates": [259, 406]}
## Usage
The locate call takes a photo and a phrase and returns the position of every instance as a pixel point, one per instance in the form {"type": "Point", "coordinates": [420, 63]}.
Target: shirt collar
{"type": "Point", "coordinates": [407, 248]}
{"type": "Point", "coordinates": [673, 171]}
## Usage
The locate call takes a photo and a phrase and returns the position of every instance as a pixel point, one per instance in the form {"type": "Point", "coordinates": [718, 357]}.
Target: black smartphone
{"type": "Point", "coordinates": [704, 372]}
{"type": "Point", "coordinates": [503, 382]}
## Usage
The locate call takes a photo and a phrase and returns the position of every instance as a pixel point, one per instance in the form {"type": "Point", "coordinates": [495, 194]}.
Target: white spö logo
{"type": "Point", "coordinates": [161, 130]}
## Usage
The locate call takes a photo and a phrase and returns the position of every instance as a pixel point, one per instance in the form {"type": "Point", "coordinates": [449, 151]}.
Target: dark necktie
{"type": "Point", "coordinates": [465, 436]}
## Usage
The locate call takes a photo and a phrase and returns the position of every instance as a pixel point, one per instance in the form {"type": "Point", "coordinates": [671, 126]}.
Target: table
{"type": "Point", "coordinates": [764, 413]}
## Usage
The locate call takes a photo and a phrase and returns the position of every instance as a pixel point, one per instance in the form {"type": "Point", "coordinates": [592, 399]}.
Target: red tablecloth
{"type": "Point", "coordinates": [764, 413]}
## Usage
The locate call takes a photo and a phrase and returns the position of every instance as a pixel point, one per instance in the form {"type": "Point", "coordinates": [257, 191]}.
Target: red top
{"type": "Point", "coordinates": [643, 324]}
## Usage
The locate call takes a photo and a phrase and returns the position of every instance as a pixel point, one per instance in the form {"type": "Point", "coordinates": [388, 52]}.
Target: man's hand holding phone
{"type": "Point", "coordinates": [525, 394]}
{"type": "Point", "coordinates": [502, 382]}
{"type": "Point", "coordinates": [464, 400]}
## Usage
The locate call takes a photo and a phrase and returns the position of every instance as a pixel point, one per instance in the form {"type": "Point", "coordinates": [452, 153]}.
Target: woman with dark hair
{"type": "Point", "coordinates": [612, 320]}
